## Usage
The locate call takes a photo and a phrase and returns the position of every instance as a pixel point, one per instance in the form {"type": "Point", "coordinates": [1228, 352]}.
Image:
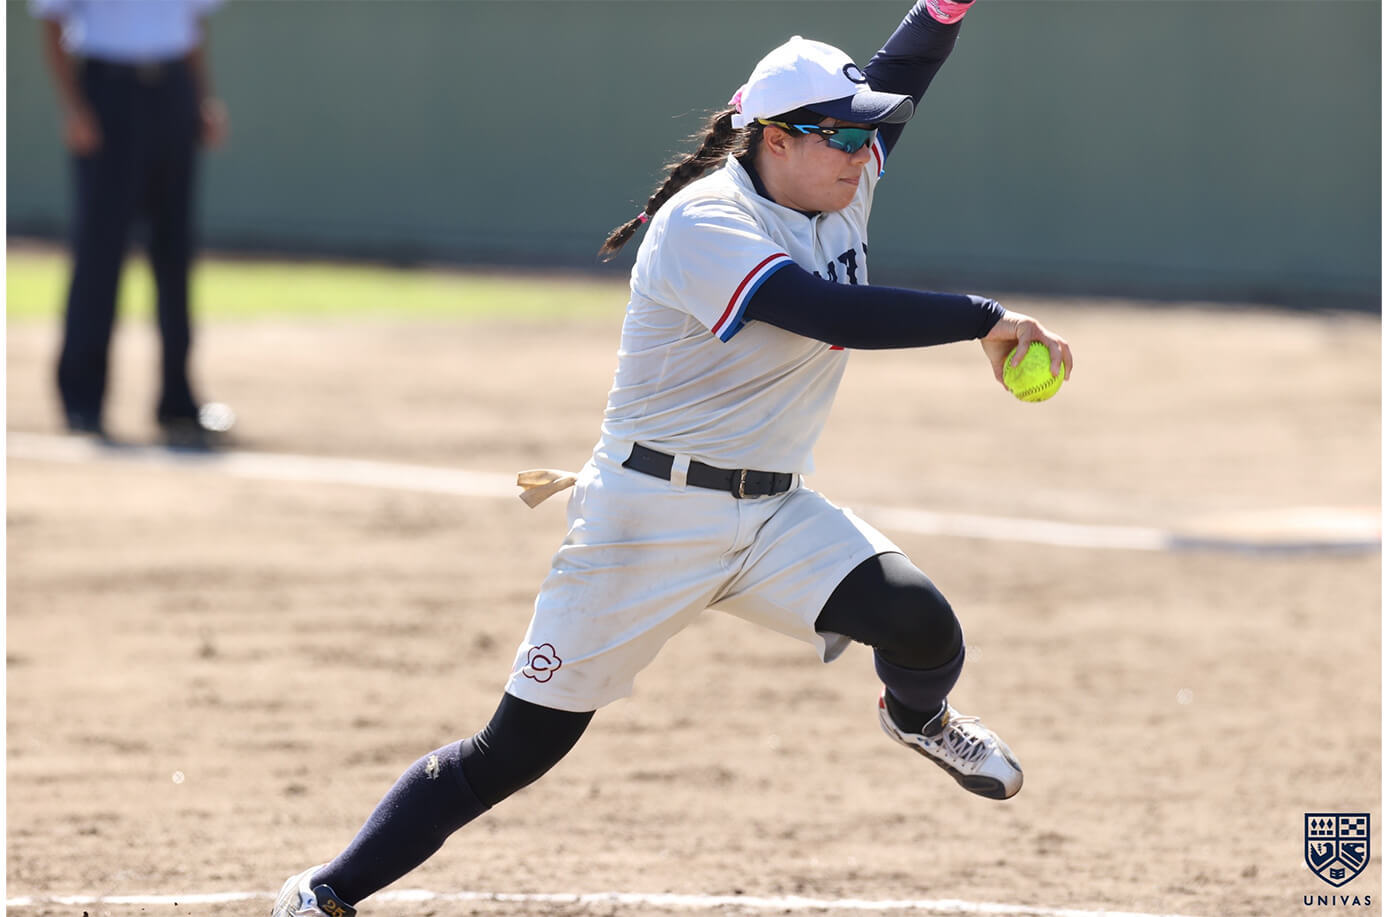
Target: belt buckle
{"type": "Point", "coordinates": [741, 492]}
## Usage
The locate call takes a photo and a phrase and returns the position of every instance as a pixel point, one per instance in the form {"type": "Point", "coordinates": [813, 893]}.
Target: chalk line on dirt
{"type": "Point", "coordinates": [634, 899]}
{"type": "Point", "coordinates": [1281, 530]}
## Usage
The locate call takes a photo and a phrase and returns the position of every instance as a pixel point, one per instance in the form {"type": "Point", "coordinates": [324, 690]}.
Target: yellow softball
{"type": "Point", "coordinates": [1031, 380]}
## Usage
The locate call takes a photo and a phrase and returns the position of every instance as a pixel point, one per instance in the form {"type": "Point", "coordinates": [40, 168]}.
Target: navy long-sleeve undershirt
{"type": "Point", "coordinates": [865, 317]}
{"type": "Point", "coordinates": [908, 62]}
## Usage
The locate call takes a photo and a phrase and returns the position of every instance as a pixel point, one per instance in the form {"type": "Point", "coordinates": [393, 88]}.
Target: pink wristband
{"type": "Point", "coordinates": [947, 11]}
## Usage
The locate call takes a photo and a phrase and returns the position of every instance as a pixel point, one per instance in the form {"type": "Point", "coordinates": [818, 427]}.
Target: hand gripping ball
{"type": "Point", "coordinates": [1031, 380]}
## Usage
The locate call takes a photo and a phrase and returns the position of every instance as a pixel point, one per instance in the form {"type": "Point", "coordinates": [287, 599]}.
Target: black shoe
{"type": "Point", "coordinates": [207, 429]}
{"type": "Point", "coordinates": [84, 424]}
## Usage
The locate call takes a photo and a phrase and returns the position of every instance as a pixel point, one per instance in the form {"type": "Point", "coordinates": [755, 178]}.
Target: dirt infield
{"type": "Point", "coordinates": [212, 680]}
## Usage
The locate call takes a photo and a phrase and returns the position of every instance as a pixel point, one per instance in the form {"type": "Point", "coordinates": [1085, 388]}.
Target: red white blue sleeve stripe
{"type": "Point", "coordinates": [731, 320]}
{"type": "Point", "coordinates": [879, 153]}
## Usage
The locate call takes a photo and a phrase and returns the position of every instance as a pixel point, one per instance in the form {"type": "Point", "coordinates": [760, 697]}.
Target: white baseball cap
{"type": "Point", "coordinates": [803, 73]}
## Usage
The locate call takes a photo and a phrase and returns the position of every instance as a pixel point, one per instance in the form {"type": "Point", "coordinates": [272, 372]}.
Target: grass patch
{"type": "Point", "coordinates": [36, 286]}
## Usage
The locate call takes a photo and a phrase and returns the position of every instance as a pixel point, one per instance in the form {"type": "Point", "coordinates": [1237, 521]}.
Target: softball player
{"type": "Point", "coordinates": [749, 290]}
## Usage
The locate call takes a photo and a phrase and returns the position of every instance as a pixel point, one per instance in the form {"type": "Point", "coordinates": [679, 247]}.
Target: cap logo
{"type": "Point", "coordinates": [855, 75]}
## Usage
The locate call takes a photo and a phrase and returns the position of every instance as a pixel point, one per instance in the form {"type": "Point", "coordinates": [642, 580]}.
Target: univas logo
{"type": "Point", "coordinates": [1337, 845]}
{"type": "Point", "coordinates": [542, 662]}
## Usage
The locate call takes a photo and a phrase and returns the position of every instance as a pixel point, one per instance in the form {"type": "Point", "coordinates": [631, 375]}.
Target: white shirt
{"type": "Point", "coordinates": [127, 31]}
{"type": "Point", "coordinates": [691, 377]}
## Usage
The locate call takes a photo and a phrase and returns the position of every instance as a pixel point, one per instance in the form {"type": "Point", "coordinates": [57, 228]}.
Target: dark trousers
{"type": "Point", "coordinates": [145, 168]}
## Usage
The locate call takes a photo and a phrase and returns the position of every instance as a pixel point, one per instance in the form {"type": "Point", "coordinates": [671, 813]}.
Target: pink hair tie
{"type": "Point", "coordinates": [642, 217]}
{"type": "Point", "coordinates": [736, 100]}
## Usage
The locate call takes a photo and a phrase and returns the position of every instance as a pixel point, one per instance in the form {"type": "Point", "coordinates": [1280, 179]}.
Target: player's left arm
{"type": "Point", "coordinates": [913, 54]}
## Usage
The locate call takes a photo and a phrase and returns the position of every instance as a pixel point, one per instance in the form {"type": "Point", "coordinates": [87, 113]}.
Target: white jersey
{"type": "Point", "coordinates": [691, 377]}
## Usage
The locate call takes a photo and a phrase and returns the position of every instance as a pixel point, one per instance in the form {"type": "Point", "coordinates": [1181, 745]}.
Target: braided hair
{"type": "Point", "coordinates": [716, 141]}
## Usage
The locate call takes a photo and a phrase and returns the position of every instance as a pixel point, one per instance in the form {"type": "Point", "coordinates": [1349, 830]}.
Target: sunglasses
{"type": "Point", "coordinates": [847, 139]}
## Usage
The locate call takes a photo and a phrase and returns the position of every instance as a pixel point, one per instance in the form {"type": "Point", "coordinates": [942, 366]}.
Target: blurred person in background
{"type": "Point", "coordinates": [136, 96]}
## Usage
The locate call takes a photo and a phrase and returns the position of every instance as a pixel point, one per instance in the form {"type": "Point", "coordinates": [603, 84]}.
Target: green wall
{"type": "Point", "coordinates": [1193, 148]}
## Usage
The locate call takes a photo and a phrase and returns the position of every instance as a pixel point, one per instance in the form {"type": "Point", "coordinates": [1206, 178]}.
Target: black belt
{"type": "Point", "coordinates": [739, 482]}
{"type": "Point", "coordinates": [147, 72]}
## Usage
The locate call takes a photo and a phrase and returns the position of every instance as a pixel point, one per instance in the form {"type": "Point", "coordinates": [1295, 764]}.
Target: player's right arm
{"type": "Point", "coordinates": [1015, 331]}
{"type": "Point", "coordinates": [864, 317]}
{"type": "Point", "coordinates": [714, 262]}
{"type": "Point", "coordinates": [706, 257]}
{"type": "Point", "coordinates": [879, 318]}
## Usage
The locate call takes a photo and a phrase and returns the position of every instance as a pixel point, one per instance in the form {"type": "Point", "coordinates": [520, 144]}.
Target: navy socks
{"type": "Point", "coordinates": [448, 788]}
{"type": "Point", "coordinates": [915, 696]}
{"type": "Point", "coordinates": [430, 801]}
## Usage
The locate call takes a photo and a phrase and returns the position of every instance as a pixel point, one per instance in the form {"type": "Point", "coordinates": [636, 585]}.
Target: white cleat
{"type": "Point", "coordinates": [297, 899]}
{"type": "Point", "coordinates": [967, 750]}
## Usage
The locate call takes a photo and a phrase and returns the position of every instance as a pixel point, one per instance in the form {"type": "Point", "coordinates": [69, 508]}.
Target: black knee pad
{"type": "Point", "coordinates": [889, 604]}
{"type": "Point", "coordinates": [920, 631]}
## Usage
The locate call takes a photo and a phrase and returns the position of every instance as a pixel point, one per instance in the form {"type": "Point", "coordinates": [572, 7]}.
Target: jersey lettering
{"type": "Point", "coordinates": [849, 259]}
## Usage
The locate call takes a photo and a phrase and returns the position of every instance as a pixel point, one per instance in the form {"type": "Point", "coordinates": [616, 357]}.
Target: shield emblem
{"type": "Point", "coordinates": [1337, 845]}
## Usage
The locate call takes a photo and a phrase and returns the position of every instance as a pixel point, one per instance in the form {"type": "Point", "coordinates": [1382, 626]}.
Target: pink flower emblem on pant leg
{"type": "Point", "coordinates": [542, 662]}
